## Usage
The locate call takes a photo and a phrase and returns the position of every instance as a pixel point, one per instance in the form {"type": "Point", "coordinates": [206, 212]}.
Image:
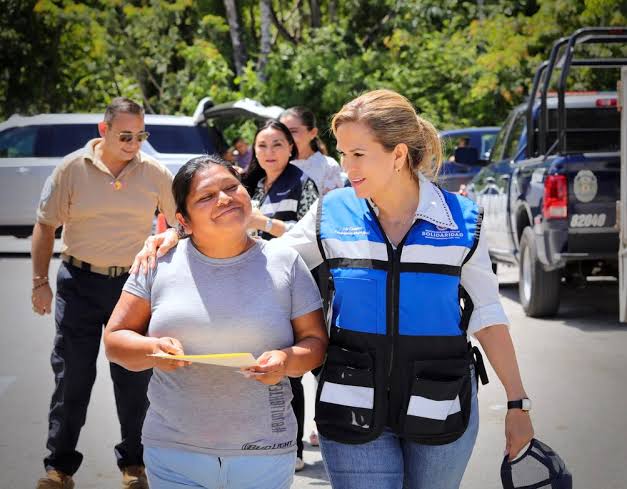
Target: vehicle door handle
{"type": "Point", "coordinates": [22, 170]}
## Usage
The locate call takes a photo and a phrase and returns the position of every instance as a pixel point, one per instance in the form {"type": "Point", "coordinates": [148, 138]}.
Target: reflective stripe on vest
{"type": "Point", "coordinates": [281, 201]}
{"type": "Point", "coordinates": [361, 259]}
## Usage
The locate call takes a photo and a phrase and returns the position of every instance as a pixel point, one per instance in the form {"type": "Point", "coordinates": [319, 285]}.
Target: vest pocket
{"type": "Point", "coordinates": [346, 397]}
{"type": "Point", "coordinates": [438, 406]}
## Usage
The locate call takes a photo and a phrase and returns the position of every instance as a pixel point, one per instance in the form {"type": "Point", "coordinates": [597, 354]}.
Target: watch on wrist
{"type": "Point", "coordinates": [268, 227]}
{"type": "Point", "coordinates": [523, 404]}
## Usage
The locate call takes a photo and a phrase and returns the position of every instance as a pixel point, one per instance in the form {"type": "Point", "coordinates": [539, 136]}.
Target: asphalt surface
{"type": "Point", "coordinates": [574, 368]}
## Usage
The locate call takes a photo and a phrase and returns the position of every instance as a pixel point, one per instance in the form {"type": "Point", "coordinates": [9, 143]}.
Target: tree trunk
{"type": "Point", "coordinates": [239, 49]}
{"type": "Point", "coordinates": [314, 8]}
{"type": "Point", "coordinates": [332, 11]}
{"type": "Point", "coordinates": [265, 8]}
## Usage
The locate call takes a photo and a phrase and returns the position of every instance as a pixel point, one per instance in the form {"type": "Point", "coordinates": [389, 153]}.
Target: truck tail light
{"type": "Point", "coordinates": [555, 204]}
{"type": "Point", "coordinates": [606, 102]}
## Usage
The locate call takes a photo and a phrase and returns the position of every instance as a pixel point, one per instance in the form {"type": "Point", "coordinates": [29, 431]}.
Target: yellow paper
{"type": "Point", "coordinates": [222, 359]}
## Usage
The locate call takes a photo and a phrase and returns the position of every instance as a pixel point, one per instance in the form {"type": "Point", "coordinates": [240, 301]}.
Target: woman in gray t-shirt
{"type": "Point", "coordinates": [220, 291]}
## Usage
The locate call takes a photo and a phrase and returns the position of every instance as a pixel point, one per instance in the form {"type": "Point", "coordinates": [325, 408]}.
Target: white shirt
{"type": "Point", "coordinates": [323, 170]}
{"type": "Point", "coordinates": [477, 276]}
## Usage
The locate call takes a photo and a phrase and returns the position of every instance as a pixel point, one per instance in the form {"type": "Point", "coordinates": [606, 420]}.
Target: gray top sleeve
{"type": "Point", "coordinates": [140, 284]}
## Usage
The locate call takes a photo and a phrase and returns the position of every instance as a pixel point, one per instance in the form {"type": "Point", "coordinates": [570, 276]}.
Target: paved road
{"type": "Point", "coordinates": [574, 368]}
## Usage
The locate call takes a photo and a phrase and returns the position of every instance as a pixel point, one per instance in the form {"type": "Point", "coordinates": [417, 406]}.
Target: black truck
{"type": "Point", "coordinates": [551, 189]}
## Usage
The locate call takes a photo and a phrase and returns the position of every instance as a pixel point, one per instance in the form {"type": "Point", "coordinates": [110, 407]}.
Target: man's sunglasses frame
{"type": "Point", "coordinates": [127, 137]}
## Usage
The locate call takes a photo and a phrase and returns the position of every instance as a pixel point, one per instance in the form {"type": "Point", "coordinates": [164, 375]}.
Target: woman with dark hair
{"type": "Point", "coordinates": [209, 424]}
{"type": "Point", "coordinates": [312, 160]}
{"type": "Point", "coordinates": [284, 194]}
{"type": "Point", "coordinates": [283, 191]}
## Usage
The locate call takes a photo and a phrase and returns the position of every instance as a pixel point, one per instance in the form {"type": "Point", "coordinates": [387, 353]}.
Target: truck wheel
{"type": "Point", "coordinates": [539, 290]}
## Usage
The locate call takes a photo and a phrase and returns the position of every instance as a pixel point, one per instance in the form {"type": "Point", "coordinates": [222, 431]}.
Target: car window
{"type": "Point", "coordinates": [487, 142]}
{"type": "Point", "coordinates": [588, 129]}
{"type": "Point", "coordinates": [18, 142]}
{"type": "Point", "coordinates": [62, 139]}
{"type": "Point", "coordinates": [180, 139]}
{"type": "Point", "coordinates": [513, 140]}
{"type": "Point", "coordinates": [499, 143]}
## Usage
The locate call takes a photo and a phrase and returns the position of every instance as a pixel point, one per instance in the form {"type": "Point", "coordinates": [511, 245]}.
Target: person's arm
{"type": "Point", "coordinates": [275, 227]}
{"type": "Point", "coordinates": [499, 348]}
{"type": "Point", "coordinates": [41, 252]}
{"type": "Point", "coordinates": [306, 354]}
{"type": "Point", "coordinates": [154, 247]}
{"type": "Point", "coordinates": [52, 211]}
{"type": "Point", "coordinates": [302, 237]}
{"type": "Point", "coordinates": [125, 341]}
{"type": "Point", "coordinates": [489, 324]}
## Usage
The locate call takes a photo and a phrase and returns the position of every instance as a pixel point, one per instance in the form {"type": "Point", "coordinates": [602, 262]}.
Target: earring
{"type": "Point", "coordinates": [398, 170]}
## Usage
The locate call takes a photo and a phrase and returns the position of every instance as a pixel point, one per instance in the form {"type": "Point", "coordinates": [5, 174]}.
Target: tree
{"type": "Point", "coordinates": [265, 8]}
{"type": "Point", "coordinates": [239, 49]}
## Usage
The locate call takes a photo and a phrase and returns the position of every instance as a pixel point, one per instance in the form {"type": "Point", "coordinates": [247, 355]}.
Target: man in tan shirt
{"type": "Point", "coordinates": [105, 196]}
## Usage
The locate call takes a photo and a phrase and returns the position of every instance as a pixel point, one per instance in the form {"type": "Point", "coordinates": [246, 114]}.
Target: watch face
{"type": "Point", "coordinates": [526, 404]}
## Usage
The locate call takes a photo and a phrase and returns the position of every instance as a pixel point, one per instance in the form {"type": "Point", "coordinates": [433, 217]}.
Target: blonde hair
{"type": "Point", "coordinates": [393, 120]}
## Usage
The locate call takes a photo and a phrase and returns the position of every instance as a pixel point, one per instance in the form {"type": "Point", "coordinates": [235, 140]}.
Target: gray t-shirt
{"type": "Point", "coordinates": [240, 304]}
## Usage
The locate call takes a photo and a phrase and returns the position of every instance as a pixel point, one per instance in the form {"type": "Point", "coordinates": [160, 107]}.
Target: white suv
{"type": "Point", "coordinates": [31, 147]}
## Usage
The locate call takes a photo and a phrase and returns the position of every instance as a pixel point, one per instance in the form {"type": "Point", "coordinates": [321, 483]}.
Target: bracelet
{"type": "Point", "coordinates": [41, 284]}
{"type": "Point", "coordinates": [268, 227]}
{"type": "Point", "coordinates": [40, 277]}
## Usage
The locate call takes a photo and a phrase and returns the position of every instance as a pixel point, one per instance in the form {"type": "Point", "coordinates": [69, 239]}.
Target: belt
{"type": "Point", "coordinates": [83, 265]}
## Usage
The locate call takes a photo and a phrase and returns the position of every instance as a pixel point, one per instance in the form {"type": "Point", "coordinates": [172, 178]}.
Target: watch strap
{"type": "Point", "coordinates": [524, 404]}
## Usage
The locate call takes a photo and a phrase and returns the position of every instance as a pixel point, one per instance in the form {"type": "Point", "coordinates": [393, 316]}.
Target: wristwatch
{"type": "Point", "coordinates": [524, 404]}
{"type": "Point", "coordinates": [268, 226]}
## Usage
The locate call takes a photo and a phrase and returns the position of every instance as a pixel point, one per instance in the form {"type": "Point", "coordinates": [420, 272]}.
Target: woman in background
{"type": "Point", "coordinates": [322, 169]}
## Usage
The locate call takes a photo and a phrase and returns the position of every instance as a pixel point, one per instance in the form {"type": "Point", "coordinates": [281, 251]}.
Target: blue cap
{"type": "Point", "coordinates": [538, 468]}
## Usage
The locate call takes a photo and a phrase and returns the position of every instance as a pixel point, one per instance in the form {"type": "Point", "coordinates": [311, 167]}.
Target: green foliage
{"type": "Point", "coordinates": [460, 63]}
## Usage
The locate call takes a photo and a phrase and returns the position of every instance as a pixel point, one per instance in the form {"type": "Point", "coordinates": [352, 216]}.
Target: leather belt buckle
{"type": "Point", "coordinates": [116, 271]}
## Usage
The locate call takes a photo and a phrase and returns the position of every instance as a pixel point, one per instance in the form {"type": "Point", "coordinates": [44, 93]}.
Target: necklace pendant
{"type": "Point", "coordinates": [117, 185]}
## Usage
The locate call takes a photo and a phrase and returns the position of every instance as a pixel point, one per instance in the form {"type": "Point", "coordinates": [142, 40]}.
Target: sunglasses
{"type": "Point", "coordinates": [127, 136]}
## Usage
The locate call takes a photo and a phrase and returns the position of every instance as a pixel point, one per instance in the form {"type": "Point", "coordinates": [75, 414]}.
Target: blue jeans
{"type": "Point", "coordinates": [390, 462]}
{"type": "Point", "coordinates": [171, 468]}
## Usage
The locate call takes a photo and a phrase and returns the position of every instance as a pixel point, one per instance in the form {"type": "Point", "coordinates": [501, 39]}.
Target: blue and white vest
{"type": "Point", "coordinates": [398, 353]}
{"type": "Point", "coordinates": [281, 201]}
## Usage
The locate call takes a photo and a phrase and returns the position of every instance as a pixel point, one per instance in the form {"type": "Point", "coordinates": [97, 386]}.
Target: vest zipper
{"type": "Point", "coordinates": [394, 298]}
{"type": "Point", "coordinates": [393, 290]}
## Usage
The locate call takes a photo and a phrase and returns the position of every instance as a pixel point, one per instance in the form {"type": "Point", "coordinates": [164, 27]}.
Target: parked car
{"type": "Point", "coordinates": [31, 147]}
{"type": "Point", "coordinates": [466, 151]}
{"type": "Point", "coordinates": [550, 191]}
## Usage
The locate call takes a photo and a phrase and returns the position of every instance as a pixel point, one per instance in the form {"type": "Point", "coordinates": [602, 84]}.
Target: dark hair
{"type": "Point", "coordinates": [183, 178]}
{"type": "Point", "coordinates": [254, 173]}
{"type": "Point", "coordinates": [122, 105]}
{"type": "Point", "coordinates": [308, 118]}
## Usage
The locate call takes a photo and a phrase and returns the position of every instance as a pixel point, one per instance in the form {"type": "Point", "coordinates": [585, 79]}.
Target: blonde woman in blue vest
{"type": "Point", "coordinates": [397, 400]}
